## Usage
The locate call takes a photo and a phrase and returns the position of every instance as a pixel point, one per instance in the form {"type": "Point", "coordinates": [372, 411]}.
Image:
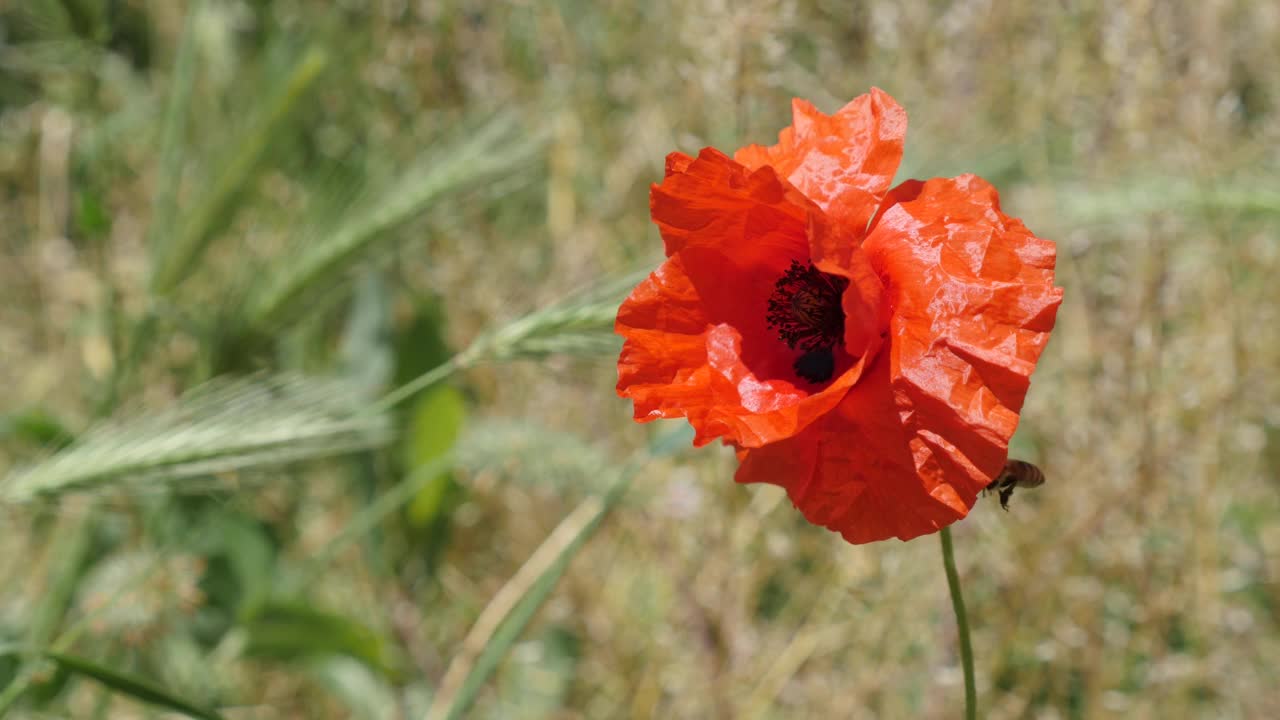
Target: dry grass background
{"type": "Point", "coordinates": [1141, 581]}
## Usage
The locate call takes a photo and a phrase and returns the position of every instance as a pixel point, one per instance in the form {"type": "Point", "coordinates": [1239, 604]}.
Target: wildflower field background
{"type": "Point", "coordinates": [307, 364]}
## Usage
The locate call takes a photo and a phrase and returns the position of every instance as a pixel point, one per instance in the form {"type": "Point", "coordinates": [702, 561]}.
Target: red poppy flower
{"type": "Point", "coordinates": [866, 348]}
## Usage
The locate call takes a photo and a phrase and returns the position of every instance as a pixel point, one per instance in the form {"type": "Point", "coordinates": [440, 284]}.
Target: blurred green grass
{"type": "Point", "coordinates": [283, 191]}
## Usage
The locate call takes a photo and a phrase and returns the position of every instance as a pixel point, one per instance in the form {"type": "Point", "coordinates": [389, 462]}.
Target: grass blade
{"type": "Point", "coordinates": [559, 459]}
{"type": "Point", "coordinates": [132, 686]}
{"type": "Point", "coordinates": [172, 136]}
{"type": "Point", "coordinates": [287, 631]}
{"type": "Point", "coordinates": [497, 148]}
{"type": "Point", "coordinates": [217, 206]}
{"type": "Point", "coordinates": [1143, 196]}
{"type": "Point", "coordinates": [581, 325]}
{"type": "Point", "coordinates": [71, 550]}
{"type": "Point", "coordinates": [511, 609]}
{"type": "Point", "coordinates": [509, 612]}
{"type": "Point", "coordinates": [373, 514]}
{"type": "Point", "coordinates": [223, 426]}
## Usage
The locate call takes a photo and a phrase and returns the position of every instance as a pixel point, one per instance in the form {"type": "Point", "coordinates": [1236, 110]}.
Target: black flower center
{"type": "Point", "coordinates": [805, 310]}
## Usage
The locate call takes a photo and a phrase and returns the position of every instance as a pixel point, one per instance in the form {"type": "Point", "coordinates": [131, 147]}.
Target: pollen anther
{"type": "Point", "coordinates": [806, 312]}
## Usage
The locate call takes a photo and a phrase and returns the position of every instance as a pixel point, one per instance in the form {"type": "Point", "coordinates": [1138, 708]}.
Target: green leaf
{"type": "Point", "coordinates": [421, 344]}
{"type": "Point", "coordinates": [131, 686]}
{"type": "Point", "coordinates": [36, 427]}
{"type": "Point", "coordinates": [92, 219]}
{"type": "Point", "coordinates": [432, 501]}
{"type": "Point", "coordinates": [296, 631]}
{"type": "Point", "coordinates": [434, 425]}
{"type": "Point", "coordinates": [47, 19]}
{"type": "Point", "coordinates": [241, 562]}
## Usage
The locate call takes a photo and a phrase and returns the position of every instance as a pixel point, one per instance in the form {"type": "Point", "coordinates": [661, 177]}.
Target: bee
{"type": "Point", "coordinates": [1016, 473]}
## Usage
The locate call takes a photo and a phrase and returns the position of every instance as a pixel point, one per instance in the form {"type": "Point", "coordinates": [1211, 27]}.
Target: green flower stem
{"type": "Point", "coordinates": [962, 623]}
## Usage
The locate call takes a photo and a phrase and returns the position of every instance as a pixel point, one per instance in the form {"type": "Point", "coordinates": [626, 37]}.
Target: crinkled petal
{"type": "Point", "coordinates": [731, 233]}
{"type": "Point", "coordinates": [865, 313]}
{"type": "Point", "coordinates": [859, 471]}
{"type": "Point", "coordinates": [904, 191]}
{"type": "Point", "coordinates": [714, 203]}
{"type": "Point", "coordinates": [909, 447]}
{"type": "Point", "coordinates": [844, 162]}
{"type": "Point", "coordinates": [674, 363]}
{"type": "Point", "coordinates": [663, 364]}
{"type": "Point", "coordinates": [750, 412]}
{"type": "Point", "coordinates": [697, 339]}
{"type": "Point", "coordinates": [973, 299]}
{"type": "Point", "coordinates": [677, 162]}
{"type": "Point", "coordinates": [736, 232]}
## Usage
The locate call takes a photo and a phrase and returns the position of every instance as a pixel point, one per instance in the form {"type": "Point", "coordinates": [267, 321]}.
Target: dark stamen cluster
{"type": "Point", "coordinates": [805, 310]}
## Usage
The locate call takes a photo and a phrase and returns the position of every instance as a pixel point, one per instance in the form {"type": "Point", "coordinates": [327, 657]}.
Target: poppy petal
{"type": "Point", "coordinates": [905, 191]}
{"type": "Point", "coordinates": [674, 363]}
{"type": "Point", "coordinates": [714, 203]}
{"type": "Point", "coordinates": [844, 162]}
{"type": "Point", "coordinates": [863, 301]}
{"type": "Point", "coordinates": [858, 471]}
{"type": "Point", "coordinates": [663, 364]}
{"type": "Point", "coordinates": [736, 231]}
{"type": "Point", "coordinates": [973, 303]}
{"type": "Point", "coordinates": [677, 162]}
{"type": "Point", "coordinates": [730, 233]}
{"type": "Point", "coordinates": [750, 412]}
{"type": "Point", "coordinates": [947, 307]}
